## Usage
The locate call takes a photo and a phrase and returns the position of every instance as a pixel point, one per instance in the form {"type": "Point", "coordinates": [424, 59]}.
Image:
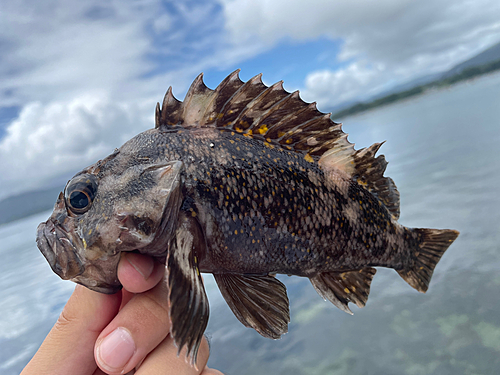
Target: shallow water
{"type": "Point", "coordinates": [443, 154]}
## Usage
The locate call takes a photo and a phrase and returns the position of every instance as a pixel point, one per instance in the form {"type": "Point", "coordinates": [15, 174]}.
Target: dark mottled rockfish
{"type": "Point", "coordinates": [244, 181]}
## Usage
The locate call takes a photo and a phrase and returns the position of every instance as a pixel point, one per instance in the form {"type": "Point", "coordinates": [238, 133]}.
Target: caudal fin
{"type": "Point", "coordinates": [434, 242]}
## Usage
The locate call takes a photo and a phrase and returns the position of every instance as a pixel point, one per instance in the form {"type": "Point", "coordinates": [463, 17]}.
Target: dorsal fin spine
{"type": "Point", "coordinates": [254, 105]}
{"type": "Point", "coordinates": [271, 110]}
{"type": "Point", "coordinates": [255, 80]}
{"type": "Point", "coordinates": [280, 128]}
{"type": "Point", "coordinates": [157, 116]}
{"type": "Point", "coordinates": [210, 115]}
{"type": "Point", "coordinates": [170, 110]}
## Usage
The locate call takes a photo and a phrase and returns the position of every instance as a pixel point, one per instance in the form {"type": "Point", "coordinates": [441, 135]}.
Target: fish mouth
{"type": "Point", "coordinates": [61, 251]}
{"type": "Point", "coordinates": [58, 249]}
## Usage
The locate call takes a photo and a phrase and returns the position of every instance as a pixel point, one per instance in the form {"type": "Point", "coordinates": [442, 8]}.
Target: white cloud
{"type": "Point", "coordinates": [47, 140]}
{"type": "Point", "coordinates": [58, 49]}
{"type": "Point", "coordinates": [383, 41]}
{"type": "Point", "coordinates": [327, 87]}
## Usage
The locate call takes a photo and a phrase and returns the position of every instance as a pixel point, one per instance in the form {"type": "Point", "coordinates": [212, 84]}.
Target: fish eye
{"type": "Point", "coordinates": [80, 193]}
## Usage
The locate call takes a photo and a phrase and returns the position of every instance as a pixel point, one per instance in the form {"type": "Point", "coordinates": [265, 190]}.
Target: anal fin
{"type": "Point", "coordinates": [340, 288]}
{"type": "Point", "coordinates": [259, 302]}
{"type": "Point", "coordinates": [189, 309]}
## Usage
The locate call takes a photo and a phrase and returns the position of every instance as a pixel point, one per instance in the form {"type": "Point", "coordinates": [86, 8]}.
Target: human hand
{"type": "Point", "coordinates": [115, 334]}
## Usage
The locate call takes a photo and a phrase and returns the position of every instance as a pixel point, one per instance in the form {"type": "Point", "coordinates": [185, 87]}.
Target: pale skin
{"type": "Point", "coordinates": [120, 333]}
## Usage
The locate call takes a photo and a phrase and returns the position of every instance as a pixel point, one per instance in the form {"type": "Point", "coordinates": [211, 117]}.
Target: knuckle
{"type": "Point", "coordinates": [65, 319]}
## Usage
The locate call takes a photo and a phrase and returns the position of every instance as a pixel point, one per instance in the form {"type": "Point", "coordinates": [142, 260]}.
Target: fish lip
{"type": "Point", "coordinates": [58, 248]}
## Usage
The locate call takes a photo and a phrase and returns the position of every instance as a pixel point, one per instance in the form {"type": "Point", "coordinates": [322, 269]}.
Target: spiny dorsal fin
{"type": "Point", "coordinates": [276, 116]}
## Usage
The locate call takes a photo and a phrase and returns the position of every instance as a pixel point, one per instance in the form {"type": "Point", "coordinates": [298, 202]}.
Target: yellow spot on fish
{"type": "Point", "coordinates": [308, 158]}
{"type": "Point", "coordinates": [236, 231]}
{"type": "Point", "coordinates": [84, 243]}
{"type": "Point", "coordinates": [253, 241]}
{"type": "Point", "coordinates": [288, 141]}
{"type": "Point", "coordinates": [90, 232]}
{"type": "Point", "coordinates": [263, 129]}
{"type": "Point", "coordinates": [193, 214]}
{"type": "Point", "coordinates": [346, 290]}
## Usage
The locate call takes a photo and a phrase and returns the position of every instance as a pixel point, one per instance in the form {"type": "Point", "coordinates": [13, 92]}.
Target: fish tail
{"type": "Point", "coordinates": [432, 245]}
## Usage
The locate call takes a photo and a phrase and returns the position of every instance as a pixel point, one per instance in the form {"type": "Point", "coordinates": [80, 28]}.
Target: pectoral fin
{"type": "Point", "coordinates": [340, 288]}
{"type": "Point", "coordinates": [189, 308]}
{"type": "Point", "coordinates": [259, 302]}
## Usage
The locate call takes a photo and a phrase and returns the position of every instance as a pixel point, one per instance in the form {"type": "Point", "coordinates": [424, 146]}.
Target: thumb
{"type": "Point", "coordinates": [69, 346]}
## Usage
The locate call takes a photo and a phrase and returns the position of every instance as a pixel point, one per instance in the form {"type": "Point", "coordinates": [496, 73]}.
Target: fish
{"type": "Point", "coordinates": [245, 182]}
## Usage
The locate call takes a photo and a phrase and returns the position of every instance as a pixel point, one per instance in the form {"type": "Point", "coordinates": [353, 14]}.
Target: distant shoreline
{"type": "Point", "coordinates": [465, 75]}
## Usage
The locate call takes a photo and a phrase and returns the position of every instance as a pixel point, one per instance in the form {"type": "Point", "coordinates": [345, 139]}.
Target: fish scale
{"type": "Point", "coordinates": [244, 182]}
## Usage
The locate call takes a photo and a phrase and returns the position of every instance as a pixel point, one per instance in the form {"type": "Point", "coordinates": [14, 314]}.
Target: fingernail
{"type": "Point", "coordinates": [142, 264]}
{"type": "Point", "coordinates": [114, 352]}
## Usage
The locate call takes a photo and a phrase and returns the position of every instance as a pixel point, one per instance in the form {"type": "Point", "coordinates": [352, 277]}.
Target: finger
{"type": "Point", "coordinates": [126, 297]}
{"type": "Point", "coordinates": [82, 319]}
{"type": "Point", "coordinates": [135, 331]}
{"type": "Point", "coordinates": [164, 360]}
{"type": "Point", "coordinates": [138, 272]}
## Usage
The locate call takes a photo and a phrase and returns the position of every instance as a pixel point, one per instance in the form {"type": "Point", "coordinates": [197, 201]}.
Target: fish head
{"type": "Point", "coordinates": [104, 211]}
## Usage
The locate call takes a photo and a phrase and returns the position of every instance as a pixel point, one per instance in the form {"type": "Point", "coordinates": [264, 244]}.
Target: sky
{"type": "Point", "coordinates": [79, 78]}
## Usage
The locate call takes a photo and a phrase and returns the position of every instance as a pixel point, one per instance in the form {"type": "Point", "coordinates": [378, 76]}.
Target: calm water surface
{"type": "Point", "coordinates": [443, 150]}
